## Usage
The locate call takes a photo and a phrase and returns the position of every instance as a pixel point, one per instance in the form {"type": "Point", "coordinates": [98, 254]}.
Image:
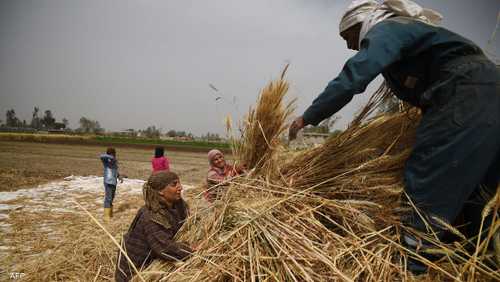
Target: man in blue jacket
{"type": "Point", "coordinates": [455, 162]}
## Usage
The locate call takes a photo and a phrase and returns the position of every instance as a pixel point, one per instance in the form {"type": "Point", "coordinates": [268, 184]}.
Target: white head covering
{"type": "Point", "coordinates": [370, 13]}
{"type": "Point", "coordinates": [356, 13]}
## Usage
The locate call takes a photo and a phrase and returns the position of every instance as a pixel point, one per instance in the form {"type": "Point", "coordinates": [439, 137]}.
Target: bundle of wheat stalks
{"type": "Point", "coordinates": [263, 126]}
{"type": "Point", "coordinates": [328, 214]}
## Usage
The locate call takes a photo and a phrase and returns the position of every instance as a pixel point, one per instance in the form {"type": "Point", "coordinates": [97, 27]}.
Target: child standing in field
{"type": "Point", "coordinates": [160, 162]}
{"type": "Point", "coordinates": [110, 164]}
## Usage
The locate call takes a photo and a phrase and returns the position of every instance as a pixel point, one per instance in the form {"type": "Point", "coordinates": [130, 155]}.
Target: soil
{"type": "Point", "coordinates": [25, 165]}
{"type": "Point", "coordinates": [44, 190]}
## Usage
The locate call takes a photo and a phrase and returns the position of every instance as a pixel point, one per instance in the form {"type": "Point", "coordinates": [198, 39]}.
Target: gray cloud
{"type": "Point", "coordinates": [130, 64]}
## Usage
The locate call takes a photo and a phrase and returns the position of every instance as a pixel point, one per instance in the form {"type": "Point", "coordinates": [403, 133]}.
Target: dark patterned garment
{"type": "Point", "coordinates": [150, 238]}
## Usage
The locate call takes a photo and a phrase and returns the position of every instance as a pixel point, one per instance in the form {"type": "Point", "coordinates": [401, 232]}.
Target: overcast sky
{"type": "Point", "coordinates": [131, 64]}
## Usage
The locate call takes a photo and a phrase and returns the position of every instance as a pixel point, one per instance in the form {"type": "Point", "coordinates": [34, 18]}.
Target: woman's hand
{"type": "Point", "coordinates": [241, 168]}
{"type": "Point", "coordinates": [195, 248]}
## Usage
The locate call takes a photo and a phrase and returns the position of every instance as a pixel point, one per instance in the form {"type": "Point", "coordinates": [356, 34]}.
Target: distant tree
{"type": "Point", "coordinates": [48, 120]}
{"type": "Point", "coordinates": [332, 121]}
{"type": "Point", "coordinates": [11, 120]}
{"type": "Point", "coordinates": [59, 126]}
{"type": "Point", "coordinates": [335, 132]}
{"type": "Point", "coordinates": [151, 132]}
{"type": "Point", "coordinates": [89, 126]}
{"type": "Point", "coordinates": [85, 125]}
{"type": "Point", "coordinates": [97, 128]}
{"type": "Point", "coordinates": [65, 121]}
{"type": "Point", "coordinates": [35, 120]}
{"type": "Point", "coordinates": [211, 137]}
{"type": "Point", "coordinates": [389, 105]}
{"type": "Point", "coordinates": [324, 127]}
{"type": "Point", "coordinates": [171, 133]}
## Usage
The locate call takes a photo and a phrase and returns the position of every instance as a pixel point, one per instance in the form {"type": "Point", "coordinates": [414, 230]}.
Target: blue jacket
{"type": "Point", "coordinates": [408, 53]}
{"type": "Point", "coordinates": [110, 169]}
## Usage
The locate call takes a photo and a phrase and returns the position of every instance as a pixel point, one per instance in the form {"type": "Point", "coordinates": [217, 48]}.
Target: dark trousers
{"type": "Point", "coordinates": [455, 164]}
{"type": "Point", "coordinates": [109, 195]}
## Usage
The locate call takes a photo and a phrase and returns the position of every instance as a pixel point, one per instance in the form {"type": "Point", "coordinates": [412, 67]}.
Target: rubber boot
{"type": "Point", "coordinates": [419, 246]}
{"type": "Point", "coordinates": [416, 267]}
{"type": "Point", "coordinates": [108, 213]}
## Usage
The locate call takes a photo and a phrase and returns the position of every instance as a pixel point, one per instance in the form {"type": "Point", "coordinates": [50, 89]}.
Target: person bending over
{"type": "Point", "coordinates": [455, 163]}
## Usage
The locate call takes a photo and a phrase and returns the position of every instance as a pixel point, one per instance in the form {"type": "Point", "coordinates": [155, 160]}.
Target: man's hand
{"type": "Point", "coordinates": [296, 125]}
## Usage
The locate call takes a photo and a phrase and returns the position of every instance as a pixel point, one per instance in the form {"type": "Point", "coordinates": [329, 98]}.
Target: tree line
{"type": "Point", "coordinates": [47, 121]}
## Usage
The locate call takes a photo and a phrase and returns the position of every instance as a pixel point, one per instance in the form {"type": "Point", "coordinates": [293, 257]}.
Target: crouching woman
{"type": "Point", "coordinates": [151, 234]}
{"type": "Point", "coordinates": [219, 175]}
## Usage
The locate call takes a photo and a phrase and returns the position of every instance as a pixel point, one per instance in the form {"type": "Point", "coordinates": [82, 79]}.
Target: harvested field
{"type": "Point", "coordinates": [44, 235]}
{"type": "Point", "coordinates": [24, 164]}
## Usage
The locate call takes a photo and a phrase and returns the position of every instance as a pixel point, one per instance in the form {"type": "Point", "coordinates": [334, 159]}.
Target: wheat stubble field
{"type": "Point", "coordinates": [41, 188]}
{"type": "Point", "coordinates": [25, 164]}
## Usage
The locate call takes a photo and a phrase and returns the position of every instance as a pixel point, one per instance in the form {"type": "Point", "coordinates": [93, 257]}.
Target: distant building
{"type": "Point", "coordinates": [309, 139]}
{"type": "Point", "coordinates": [59, 126]}
{"type": "Point", "coordinates": [183, 138]}
{"type": "Point", "coordinates": [125, 133]}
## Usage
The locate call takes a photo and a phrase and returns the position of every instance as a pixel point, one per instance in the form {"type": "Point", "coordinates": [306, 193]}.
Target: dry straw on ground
{"type": "Point", "coordinates": [329, 214]}
{"type": "Point", "coordinates": [66, 246]}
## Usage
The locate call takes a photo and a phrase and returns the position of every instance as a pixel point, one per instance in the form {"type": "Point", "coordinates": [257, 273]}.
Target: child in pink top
{"type": "Point", "coordinates": [160, 162]}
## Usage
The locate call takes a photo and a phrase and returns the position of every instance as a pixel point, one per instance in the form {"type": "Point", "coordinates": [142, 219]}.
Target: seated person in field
{"type": "Point", "coordinates": [151, 234]}
{"type": "Point", "coordinates": [219, 174]}
{"type": "Point", "coordinates": [160, 162]}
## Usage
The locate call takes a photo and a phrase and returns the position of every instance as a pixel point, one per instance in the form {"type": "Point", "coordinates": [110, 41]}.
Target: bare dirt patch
{"type": "Point", "coordinates": [24, 164]}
